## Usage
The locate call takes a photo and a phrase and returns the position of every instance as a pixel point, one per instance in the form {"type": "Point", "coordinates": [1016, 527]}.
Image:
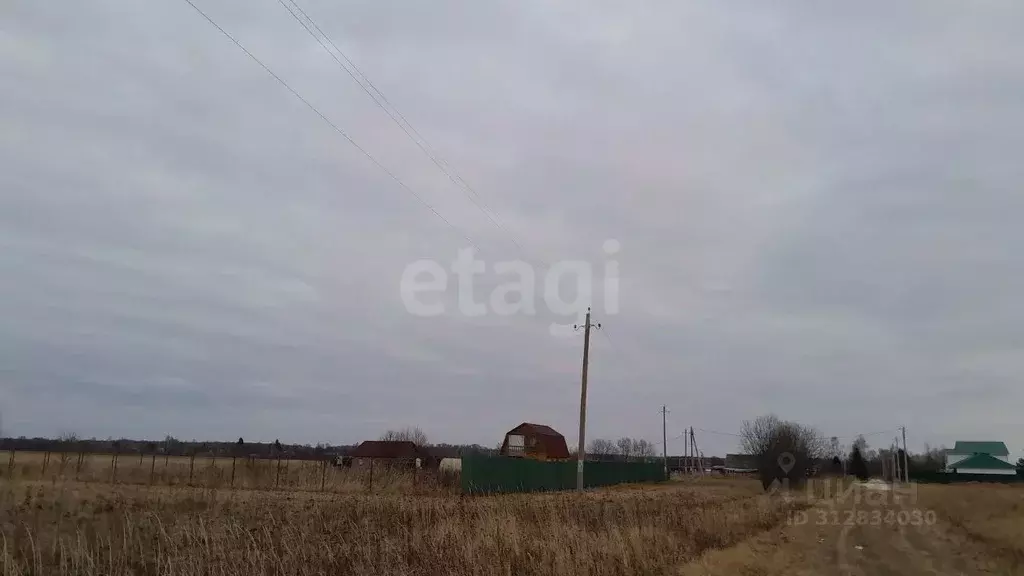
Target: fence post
{"type": "Point", "coordinates": [152, 468]}
{"type": "Point", "coordinates": [78, 462]}
{"type": "Point", "coordinates": [371, 475]}
{"type": "Point", "coordinates": [46, 462]}
{"type": "Point", "coordinates": [233, 458]}
{"type": "Point", "coordinates": [323, 475]}
{"type": "Point", "coordinates": [10, 462]}
{"type": "Point", "coordinates": [191, 466]}
{"type": "Point", "coordinates": [277, 476]}
{"type": "Point", "coordinates": [113, 467]}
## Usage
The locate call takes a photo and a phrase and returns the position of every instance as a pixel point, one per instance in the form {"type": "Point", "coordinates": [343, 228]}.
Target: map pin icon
{"type": "Point", "coordinates": [786, 462]}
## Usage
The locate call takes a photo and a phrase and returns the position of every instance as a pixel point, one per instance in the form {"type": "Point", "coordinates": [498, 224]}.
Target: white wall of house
{"type": "Point", "coordinates": [985, 471]}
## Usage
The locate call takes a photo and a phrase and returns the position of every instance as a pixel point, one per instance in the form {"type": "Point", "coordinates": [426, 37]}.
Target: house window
{"type": "Point", "coordinates": [515, 443]}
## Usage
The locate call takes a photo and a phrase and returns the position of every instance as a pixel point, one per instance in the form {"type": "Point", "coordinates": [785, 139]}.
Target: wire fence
{"type": "Point", "coordinates": [243, 473]}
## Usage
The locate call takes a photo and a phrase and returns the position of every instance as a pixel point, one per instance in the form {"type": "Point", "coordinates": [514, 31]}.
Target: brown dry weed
{"type": "Point", "coordinates": [87, 529]}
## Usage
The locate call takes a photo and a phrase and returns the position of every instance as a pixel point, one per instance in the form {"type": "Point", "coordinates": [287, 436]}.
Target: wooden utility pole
{"type": "Point", "coordinates": [580, 452]}
{"type": "Point", "coordinates": [895, 464]}
{"type": "Point", "coordinates": [686, 461]}
{"type": "Point", "coordinates": [664, 438]}
{"type": "Point", "coordinates": [698, 462]}
{"type": "Point", "coordinates": [906, 469]}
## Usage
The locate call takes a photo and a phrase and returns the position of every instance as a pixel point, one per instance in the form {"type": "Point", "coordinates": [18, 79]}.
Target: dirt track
{"type": "Point", "coordinates": [877, 533]}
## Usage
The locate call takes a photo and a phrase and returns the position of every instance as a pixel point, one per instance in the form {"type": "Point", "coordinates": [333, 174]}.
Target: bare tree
{"type": "Point", "coordinates": [785, 451]}
{"type": "Point", "coordinates": [66, 440]}
{"type": "Point", "coordinates": [408, 434]}
{"type": "Point", "coordinates": [643, 449]}
{"type": "Point", "coordinates": [860, 443]}
{"type": "Point", "coordinates": [625, 446]}
{"type": "Point", "coordinates": [931, 460]}
{"type": "Point", "coordinates": [601, 447]}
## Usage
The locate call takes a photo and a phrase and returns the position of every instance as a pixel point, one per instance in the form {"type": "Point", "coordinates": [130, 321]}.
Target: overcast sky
{"type": "Point", "coordinates": [815, 205]}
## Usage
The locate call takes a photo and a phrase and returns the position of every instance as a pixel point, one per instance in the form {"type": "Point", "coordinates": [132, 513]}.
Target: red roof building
{"type": "Point", "coordinates": [403, 451]}
{"type": "Point", "coordinates": [534, 441]}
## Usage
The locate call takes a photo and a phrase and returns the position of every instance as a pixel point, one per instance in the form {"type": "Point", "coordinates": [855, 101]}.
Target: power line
{"type": "Point", "coordinates": [718, 433]}
{"type": "Point", "coordinates": [852, 436]}
{"type": "Point", "coordinates": [330, 123]}
{"type": "Point", "coordinates": [380, 100]}
{"type": "Point", "coordinates": [608, 338]}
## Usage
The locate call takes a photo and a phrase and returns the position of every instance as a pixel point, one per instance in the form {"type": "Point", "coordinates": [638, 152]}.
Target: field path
{"type": "Point", "coordinates": [877, 534]}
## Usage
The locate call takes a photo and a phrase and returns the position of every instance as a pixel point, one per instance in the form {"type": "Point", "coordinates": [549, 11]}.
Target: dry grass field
{"type": "Point", "coordinates": [206, 472]}
{"type": "Point", "coordinates": [989, 515]}
{"type": "Point", "coordinates": [79, 528]}
{"type": "Point", "coordinates": [708, 526]}
{"type": "Point", "coordinates": [974, 528]}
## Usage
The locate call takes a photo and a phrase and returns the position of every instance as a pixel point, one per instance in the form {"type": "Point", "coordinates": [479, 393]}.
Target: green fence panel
{"type": "Point", "coordinates": [497, 474]}
{"type": "Point", "coordinates": [951, 478]}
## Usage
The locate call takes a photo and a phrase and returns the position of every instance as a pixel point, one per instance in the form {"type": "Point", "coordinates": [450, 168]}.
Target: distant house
{"type": "Point", "coordinates": [740, 463]}
{"type": "Point", "coordinates": [979, 458]}
{"type": "Point", "coordinates": [390, 452]}
{"type": "Point", "coordinates": [534, 441]}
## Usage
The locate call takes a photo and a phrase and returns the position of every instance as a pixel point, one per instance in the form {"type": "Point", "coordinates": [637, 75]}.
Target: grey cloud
{"type": "Point", "coordinates": [815, 204]}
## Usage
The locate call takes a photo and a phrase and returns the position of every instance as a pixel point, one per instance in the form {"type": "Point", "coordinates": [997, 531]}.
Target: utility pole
{"type": "Point", "coordinates": [895, 463]}
{"type": "Point", "coordinates": [906, 468]}
{"type": "Point", "coordinates": [693, 453]}
{"type": "Point", "coordinates": [696, 453]}
{"type": "Point", "coordinates": [686, 461]}
{"type": "Point", "coordinates": [664, 438]}
{"type": "Point", "coordinates": [580, 452]}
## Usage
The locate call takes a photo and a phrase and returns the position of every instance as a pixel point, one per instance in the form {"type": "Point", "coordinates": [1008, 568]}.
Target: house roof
{"type": "Point", "coordinates": [553, 443]}
{"type": "Point", "coordinates": [538, 429]}
{"type": "Point", "coordinates": [746, 461]}
{"type": "Point", "coordinates": [388, 449]}
{"type": "Point", "coordinates": [984, 462]}
{"type": "Point", "coordinates": [988, 447]}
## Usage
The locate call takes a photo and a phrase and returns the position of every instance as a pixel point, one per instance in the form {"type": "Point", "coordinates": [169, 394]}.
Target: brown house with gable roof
{"type": "Point", "coordinates": [535, 441]}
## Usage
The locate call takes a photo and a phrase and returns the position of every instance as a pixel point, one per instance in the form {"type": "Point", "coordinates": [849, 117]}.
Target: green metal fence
{"type": "Point", "coordinates": [492, 474]}
{"type": "Point", "coordinates": [951, 478]}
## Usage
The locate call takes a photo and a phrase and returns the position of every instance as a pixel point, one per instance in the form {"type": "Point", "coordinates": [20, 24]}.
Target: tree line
{"type": "Point", "coordinates": [788, 453]}
{"type": "Point", "coordinates": [623, 448]}
{"type": "Point", "coordinates": [70, 442]}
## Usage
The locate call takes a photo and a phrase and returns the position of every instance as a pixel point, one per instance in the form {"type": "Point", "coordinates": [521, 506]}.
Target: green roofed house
{"type": "Point", "coordinates": [979, 458]}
